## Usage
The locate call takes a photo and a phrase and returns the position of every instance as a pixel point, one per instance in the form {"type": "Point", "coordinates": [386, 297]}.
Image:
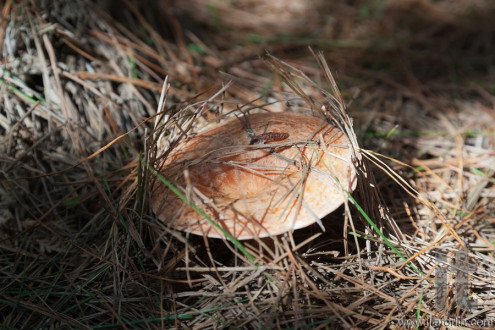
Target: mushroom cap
{"type": "Point", "coordinates": [290, 171]}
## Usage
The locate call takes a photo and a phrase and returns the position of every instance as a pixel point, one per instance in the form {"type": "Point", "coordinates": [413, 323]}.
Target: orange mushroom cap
{"type": "Point", "coordinates": [273, 173]}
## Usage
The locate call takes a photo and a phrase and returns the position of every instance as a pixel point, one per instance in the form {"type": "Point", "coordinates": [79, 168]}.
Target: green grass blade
{"type": "Point", "coordinates": [379, 232]}
{"type": "Point", "coordinates": [418, 312]}
{"type": "Point", "coordinates": [200, 212]}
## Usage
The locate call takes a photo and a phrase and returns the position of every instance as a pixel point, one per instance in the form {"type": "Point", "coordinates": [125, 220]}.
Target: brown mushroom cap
{"type": "Point", "coordinates": [293, 171]}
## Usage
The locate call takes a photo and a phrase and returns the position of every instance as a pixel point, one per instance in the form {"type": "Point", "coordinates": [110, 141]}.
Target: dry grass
{"type": "Point", "coordinates": [80, 117]}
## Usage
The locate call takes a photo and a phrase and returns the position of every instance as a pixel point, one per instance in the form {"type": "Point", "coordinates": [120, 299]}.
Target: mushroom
{"type": "Point", "coordinates": [262, 175]}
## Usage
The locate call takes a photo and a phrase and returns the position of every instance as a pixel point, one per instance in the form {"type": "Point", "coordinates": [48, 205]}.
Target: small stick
{"type": "Point", "coordinates": [268, 137]}
{"type": "Point", "coordinates": [265, 137]}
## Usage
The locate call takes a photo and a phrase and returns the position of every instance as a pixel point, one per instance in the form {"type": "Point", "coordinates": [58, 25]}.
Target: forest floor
{"type": "Point", "coordinates": [92, 94]}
